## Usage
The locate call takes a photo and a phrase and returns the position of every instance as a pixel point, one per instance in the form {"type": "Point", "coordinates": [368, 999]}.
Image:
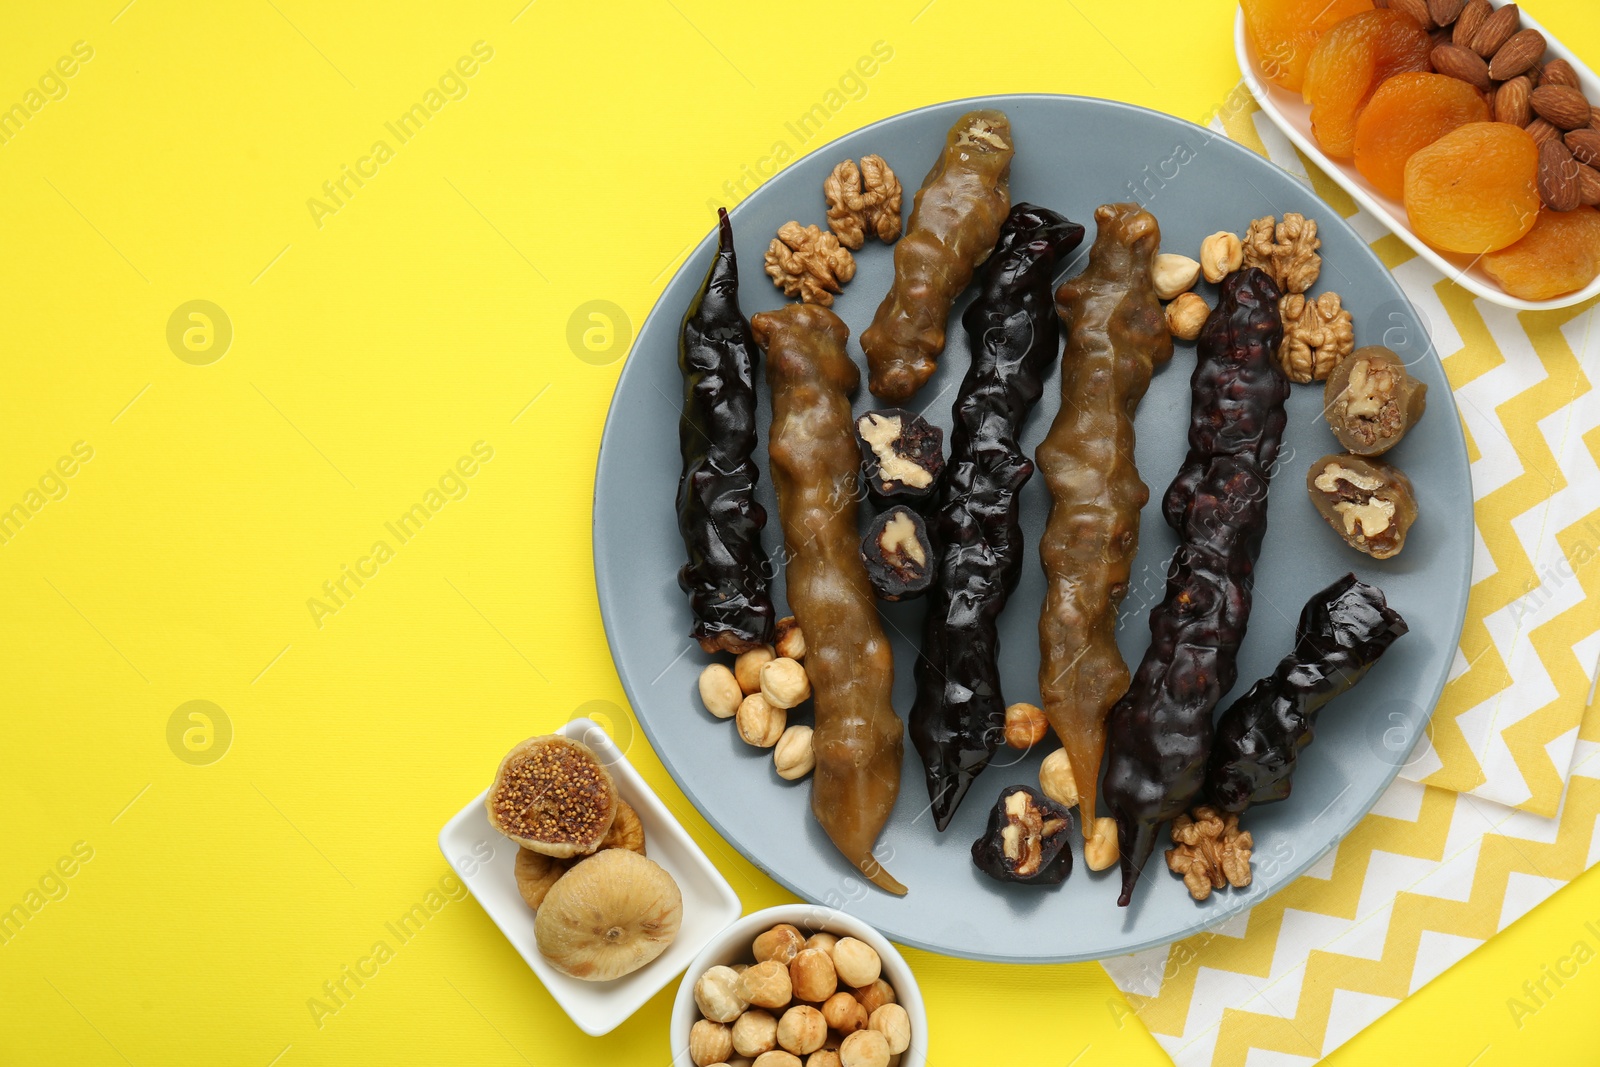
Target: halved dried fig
{"type": "Point", "coordinates": [536, 873]}
{"type": "Point", "coordinates": [1368, 502]}
{"type": "Point", "coordinates": [553, 796]}
{"type": "Point", "coordinates": [608, 916]}
{"type": "Point", "coordinates": [1026, 839]}
{"type": "Point", "coordinates": [1370, 400]}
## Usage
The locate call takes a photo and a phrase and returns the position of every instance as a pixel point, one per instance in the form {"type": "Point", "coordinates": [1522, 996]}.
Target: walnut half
{"type": "Point", "coordinates": [1210, 852]}
{"type": "Point", "coordinates": [1317, 334]}
{"type": "Point", "coordinates": [806, 262]}
{"type": "Point", "coordinates": [1286, 250]}
{"type": "Point", "coordinates": [863, 201]}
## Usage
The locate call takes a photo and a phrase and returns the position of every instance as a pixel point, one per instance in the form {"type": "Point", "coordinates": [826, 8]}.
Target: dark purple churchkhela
{"type": "Point", "coordinates": [958, 718]}
{"type": "Point", "coordinates": [1159, 733]}
{"type": "Point", "coordinates": [727, 574]}
{"type": "Point", "coordinates": [1343, 631]}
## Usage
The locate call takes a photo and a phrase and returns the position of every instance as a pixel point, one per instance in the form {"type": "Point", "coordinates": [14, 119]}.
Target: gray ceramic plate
{"type": "Point", "coordinates": [1072, 154]}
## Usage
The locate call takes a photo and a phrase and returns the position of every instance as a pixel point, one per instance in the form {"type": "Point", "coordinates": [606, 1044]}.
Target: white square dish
{"type": "Point", "coordinates": [483, 859]}
{"type": "Point", "coordinates": [1287, 111]}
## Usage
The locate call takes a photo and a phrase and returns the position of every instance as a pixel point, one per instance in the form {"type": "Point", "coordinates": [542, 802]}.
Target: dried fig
{"type": "Point", "coordinates": [626, 830]}
{"type": "Point", "coordinates": [553, 796]}
{"type": "Point", "coordinates": [536, 873]}
{"type": "Point", "coordinates": [608, 916]}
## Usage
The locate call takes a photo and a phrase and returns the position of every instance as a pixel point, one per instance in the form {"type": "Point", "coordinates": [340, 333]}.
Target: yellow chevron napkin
{"type": "Point", "coordinates": [1497, 807]}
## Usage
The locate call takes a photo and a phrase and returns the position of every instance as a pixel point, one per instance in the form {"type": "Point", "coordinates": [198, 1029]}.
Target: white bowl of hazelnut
{"type": "Point", "coordinates": [799, 985]}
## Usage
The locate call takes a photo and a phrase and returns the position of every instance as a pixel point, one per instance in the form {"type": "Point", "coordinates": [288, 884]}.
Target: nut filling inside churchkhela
{"type": "Point", "coordinates": [902, 456]}
{"type": "Point", "coordinates": [1370, 401]}
{"type": "Point", "coordinates": [1026, 839]}
{"type": "Point", "coordinates": [1368, 502]}
{"type": "Point", "coordinates": [898, 555]}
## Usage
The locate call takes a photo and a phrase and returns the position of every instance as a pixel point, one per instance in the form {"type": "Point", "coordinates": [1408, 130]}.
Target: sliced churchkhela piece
{"type": "Point", "coordinates": [1159, 733]}
{"type": "Point", "coordinates": [1343, 631]}
{"type": "Point", "coordinates": [958, 718]}
{"type": "Point", "coordinates": [955, 221]}
{"type": "Point", "coordinates": [816, 469]}
{"type": "Point", "coordinates": [726, 576]}
{"type": "Point", "coordinates": [1116, 336]}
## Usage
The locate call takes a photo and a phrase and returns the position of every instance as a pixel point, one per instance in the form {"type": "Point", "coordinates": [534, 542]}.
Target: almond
{"type": "Point", "coordinates": [1462, 64]}
{"type": "Point", "coordinates": [1594, 118]}
{"type": "Point", "coordinates": [1417, 9]}
{"type": "Point", "coordinates": [1558, 177]}
{"type": "Point", "coordinates": [1518, 55]}
{"type": "Point", "coordinates": [1588, 185]}
{"type": "Point", "coordinates": [1561, 105]}
{"type": "Point", "coordinates": [1542, 131]}
{"type": "Point", "coordinates": [1511, 102]}
{"type": "Point", "coordinates": [1535, 75]}
{"type": "Point", "coordinates": [1584, 144]}
{"type": "Point", "coordinates": [1444, 12]}
{"type": "Point", "coordinates": [1496, 30]}
{"type": "Point", "coordinates": [1560, 72]}
{"type": "Point", "coordinates": [1470, 21]}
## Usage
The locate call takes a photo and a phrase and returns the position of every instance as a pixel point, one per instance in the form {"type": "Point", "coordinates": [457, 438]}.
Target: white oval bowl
{"type": "Point", "coordinates": [733, 946]}
{"type": "Point", "coordinates": [1287, 111]}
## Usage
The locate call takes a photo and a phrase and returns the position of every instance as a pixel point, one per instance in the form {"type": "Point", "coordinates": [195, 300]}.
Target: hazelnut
{"type": "Point", "coordinates": [781, 943]}
{"type": "Point", "coordinates": [760, 723]}
{"type": "Point", "coordinates": [790, 641]}
{"type": "Point", "coordinates": [747, 668]}
{"type": "Point", "coordinates": [784, 683]}
{"type": "Point", "coordinates": [793, 756]}
{"type": "Point", "coordinates": [1101, 849]}
{"type": "Point", "coordinates": [844, 1013]}
{"type": "Point", "coordinates": [803, 1030]}
{"type": "Point", "coordinates": [875, 995]}
{"type": "Point", "coordinates": [856, 962]}
{"type": "Point", "coordinates": [709, 1043]}
{"type": "Point", "coordinates": [825, 1057]}
{"type": "Point", "coordinates": [720, 691]}
{"type": "Point", "coordinates": [864, 1048]}
{"type": "Point", "coordinates": [894, 1024]}
{"type": "Point", "coordinates": [1173, 274]}
{"type": "Point", "coordinates": [755, 1032]}
{"type": "Point", "coordinates": [716, 996]}
{"type": "Point", "coordinates": [823, 941]}
{"type": "Point", "coordinates": [1220, 255]}
{"type": "Point", "coordinates": [766, 985]}
{"type": "Point", "coordinates": [1025, 725]}
{"type": "Point", "coordinates": [812, 975]}
{"type": "Point", "coordinates": [1187, 315]}
{"type": "Point", "coordinates": [777, 1058]}
{"type": "Point", "coordinates": [1056, 779]}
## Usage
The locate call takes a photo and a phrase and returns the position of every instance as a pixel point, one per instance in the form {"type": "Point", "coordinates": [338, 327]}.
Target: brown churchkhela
{"type": "Point", "coordinates": [955, 222]}
{"type": "Point", "coordinates": [1116, 336]}
{"type": "Point", "coordinates": [816, 468]}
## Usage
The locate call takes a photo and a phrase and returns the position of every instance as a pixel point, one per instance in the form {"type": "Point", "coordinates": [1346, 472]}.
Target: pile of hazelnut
{"type": "Point", "coordinates": [759, 691]}
{"type": "Point", "coordinates": [817, 1001]}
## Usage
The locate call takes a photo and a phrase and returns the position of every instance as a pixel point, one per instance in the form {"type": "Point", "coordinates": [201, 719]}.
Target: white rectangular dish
{"type": "Point", "coordinates": [1292, 115]}
{"type": "Point", "coordinates": [483, 859]}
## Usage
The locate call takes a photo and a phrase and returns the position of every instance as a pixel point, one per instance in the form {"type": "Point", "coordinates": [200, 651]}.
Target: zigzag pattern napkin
{"type": "Point", "coordinates": [1497, 808]}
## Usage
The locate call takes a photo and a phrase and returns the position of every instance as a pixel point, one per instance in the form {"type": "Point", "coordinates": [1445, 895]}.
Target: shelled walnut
{"type": "Point", "coordinates": [1317, 334]}
{"type": "Point", "coordinates": [1286, 250]}
{"type": "Point", "coordinates": [1210, 852]}
{"type": "Point", "coordinates": [807, 262]}
{"type": "Point", "coordinates": [863, 201]}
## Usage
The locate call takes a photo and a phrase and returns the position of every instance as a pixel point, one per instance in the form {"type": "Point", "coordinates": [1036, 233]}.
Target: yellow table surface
{"type": "Point", "coordinates": [379, 332]}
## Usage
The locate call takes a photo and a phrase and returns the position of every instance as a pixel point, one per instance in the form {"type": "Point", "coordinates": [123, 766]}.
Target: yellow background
{"type": "Point", "coordinates": [428, 313]}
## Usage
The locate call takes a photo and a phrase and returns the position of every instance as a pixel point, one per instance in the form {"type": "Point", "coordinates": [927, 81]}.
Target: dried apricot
{"type": "Point", "coordinates": [1284, 32]}
{"type": "Point", "coordinates": [1408, 112]}
{"type": "Point", "coordinates": [1349, 63]}
{"type": "Point", "coordinates": [1474, 190]}
{"type": "Point", "coordinates": [1560, 255]}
